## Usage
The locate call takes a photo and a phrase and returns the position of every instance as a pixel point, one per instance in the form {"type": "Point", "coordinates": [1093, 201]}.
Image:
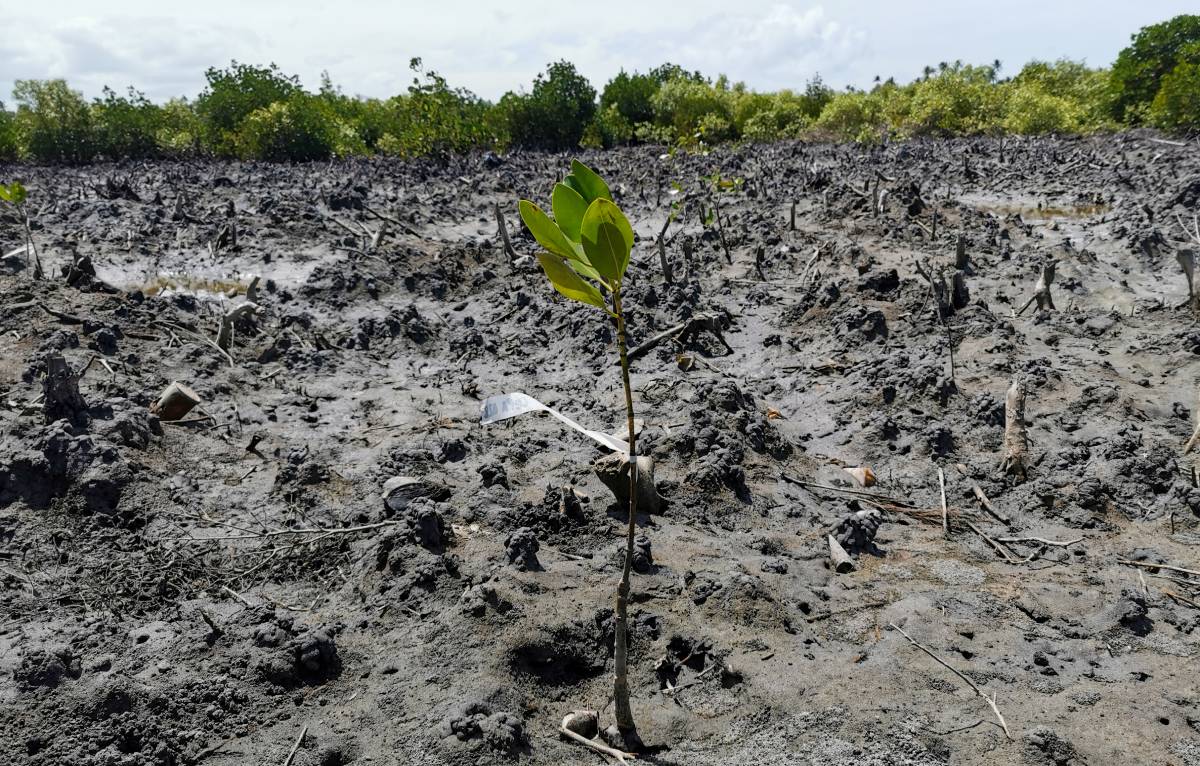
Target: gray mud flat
{"type": "Point", "coordinates": [223, 590]}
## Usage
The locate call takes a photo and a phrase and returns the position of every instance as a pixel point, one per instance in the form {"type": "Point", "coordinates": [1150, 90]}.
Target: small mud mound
{"type": "Point", "coordinates": [567, 656]}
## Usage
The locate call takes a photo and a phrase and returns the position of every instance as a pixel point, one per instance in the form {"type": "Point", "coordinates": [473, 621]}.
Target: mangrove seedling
{"type": "Point", "coordinates": [15, 195]}
{"type": "Point", "coordinates": [718, 186]}
{"type": "Point", "coordinates": [587, 248]}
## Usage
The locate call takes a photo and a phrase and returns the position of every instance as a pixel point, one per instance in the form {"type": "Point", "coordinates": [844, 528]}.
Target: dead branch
{"type": "Point", "coordinates": [174, 402]}
{"type": "Point", "coordinates": [945, 509]}
{"type": "Point", "coordinates": [683, 331]}
{"type": "Point", "coordinates": [1149, 565]}
{"type": "Point", "coordinates": [410, 231]}
{"type": "Point", "coordinates": [987, 505]}
{"type": "Point", "coordinates": [299, 741]}
{"type": "Point", "coordinates": [990, 700]}
{"type": "Point", "coordinates": [1002, 550]}
{"type": "Point", "coordinates": [937, 291]}
{"type": "Point", "coordinates": [503, 227]}
{"type": "Point", "coordinates": [599, 747]}
{"type": "Point", "coordinates": [1041, 541]}
{"type": "Point", "coordinates": [668, 276]}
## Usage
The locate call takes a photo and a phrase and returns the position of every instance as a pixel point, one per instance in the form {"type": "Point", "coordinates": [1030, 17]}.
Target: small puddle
{"type": "Point", "coordinates": [1040, 212]}
{"type": "Point", "coordinates": [205, 288]}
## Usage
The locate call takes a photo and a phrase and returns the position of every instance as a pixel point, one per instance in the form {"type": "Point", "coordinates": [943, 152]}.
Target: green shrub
{"type": "Point", "coordinates": [8, 134]}
{"type": "Point", "coordinates": [1176, 106]}
{"type": "Point", "coordinates": [53, 122]}
{"type": "Point", "coordinates": [295, 130]}
{"type": "Point", "coordinates": [683, 103]}
{"type": "Point", "coordinates": [1032, 110]}
{"type": "Point", "coordinates": [785, 118]}
{"type": "Point", "coordinates": [554, 114]}
{"type": "Point", "coordinates": [816, 95]}
{"type": "Point", "coordinates": [1084, 94]}
{"type": "Point", "coordinates": [608, 129]}
{"type": "Point", "coordinates": [432, 118]}
{"type": "Point", "coordinates": [959, 99]}
{"type": "Point", "coordinates": [650, 133]}
{"type": "Point", "coordinates": [1140, 68]}
{"type": "Point", "coordinates": [232, 95]}
{"type": "Point", "coordinates": [852, 116]}
{"type": "Point", "coordinates": [179, 129]}
{"type": "Point", "coordinates": [360, 122]}
{"type": "Point", "coordinates": [126, 126]}
{"type": "Point", "coordinates": [631, 95]}
{"type": "Point", "coordinates": [782, 115]}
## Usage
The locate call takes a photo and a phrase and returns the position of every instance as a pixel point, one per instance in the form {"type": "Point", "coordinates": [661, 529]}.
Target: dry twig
{"type": "Point", "coordinates": [990, 700]}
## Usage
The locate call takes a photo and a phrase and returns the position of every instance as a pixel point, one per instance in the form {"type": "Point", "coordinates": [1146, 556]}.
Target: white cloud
{"type": "Point", "coordinates": [163, 48]}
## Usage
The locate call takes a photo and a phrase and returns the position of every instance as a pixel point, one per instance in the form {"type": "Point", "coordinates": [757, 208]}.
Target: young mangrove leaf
{"type": "Point", "coordinates": [602, 212]}
{"type": "Point", "coordinates": [545, 231]}
{"type": "Point", "coordinates": [568, 208]}
{"type": "Point", "coordinates": [14, 193]}
{"type": "Point", "coordinates": [606, 250]}
{"type": "Point", "coordinates": [570, 284]}
{"type": "Point", "coordinates": [550, 236]}
{"type": "Point", "coordinates": [589, 185]}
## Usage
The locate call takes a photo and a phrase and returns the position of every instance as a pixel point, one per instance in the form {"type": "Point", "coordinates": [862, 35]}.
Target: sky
{"type": "Point", "coordinates": [162, 47]}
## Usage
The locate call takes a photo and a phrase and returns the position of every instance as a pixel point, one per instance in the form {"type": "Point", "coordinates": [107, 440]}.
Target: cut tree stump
{"type": "Point", "coordinates": [225, 335]}
{"type": "Point", "coordinates": [613, 472]}
{"type": "Point", "coordinates": [1016, 440]}
{"type": "Point", "coordinates": [838, 558]}
{"type": "Point", "coordinates": [1041, 290]}
{"type": "Point", "coordinates": [1191, 443]}
{"type": "Point", "coordinates": [960, 294]}
{"type": "Point", "coordinates": [175, 401]}
{"type": "Point", "coordinates": [60, 390]}
{"type": "Point", "coordinates": [1187, 262]}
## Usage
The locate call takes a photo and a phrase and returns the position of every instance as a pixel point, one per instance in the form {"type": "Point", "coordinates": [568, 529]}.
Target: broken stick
{"type": "Point", "coordinates": [707, 322]}
{"type": "Point", "coordinates": [987, 505]}
{"type": "Point", "coordinates": [508, 248]}
{"type": "Point", "coordinates": [990, 700]}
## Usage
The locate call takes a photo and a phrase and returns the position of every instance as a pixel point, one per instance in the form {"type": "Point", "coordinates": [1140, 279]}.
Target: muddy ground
{"type": "Point", "coordinates": [157, 608]}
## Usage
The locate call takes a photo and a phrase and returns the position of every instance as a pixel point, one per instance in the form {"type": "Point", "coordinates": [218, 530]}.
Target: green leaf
{"type": "Point", "coordinates": [573, 184]}
{"type": "Point", "coordinates": [617, 250]}
{"type": "Point", "coordinates": [568, 208]}
{"type": "Point", "coordinates": [607, 252]}
{"type": "Point", "coordinates": [546, 231]}
{"type": "Point", "coordinates": [570, 284]}
{"type": "Point", "coordinates": [589, 185]}
{"type": "Point", "coordinates": [551, 237]}
{"type": "Point", "coordinates": [14, 193]}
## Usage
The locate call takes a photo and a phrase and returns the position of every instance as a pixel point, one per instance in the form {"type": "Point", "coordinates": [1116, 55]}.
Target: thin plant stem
{"type": "Point", "coordinates": [30, 247]}
{"type": "Point", "coordinates": [624, 713]}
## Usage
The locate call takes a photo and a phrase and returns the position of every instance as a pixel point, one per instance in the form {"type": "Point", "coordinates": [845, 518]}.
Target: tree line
{"type": "Point", "coordinates": [260, 112]}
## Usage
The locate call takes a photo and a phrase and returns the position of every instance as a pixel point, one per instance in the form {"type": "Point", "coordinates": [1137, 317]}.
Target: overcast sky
{"type": "Point", "coordinates": [163, 47]}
